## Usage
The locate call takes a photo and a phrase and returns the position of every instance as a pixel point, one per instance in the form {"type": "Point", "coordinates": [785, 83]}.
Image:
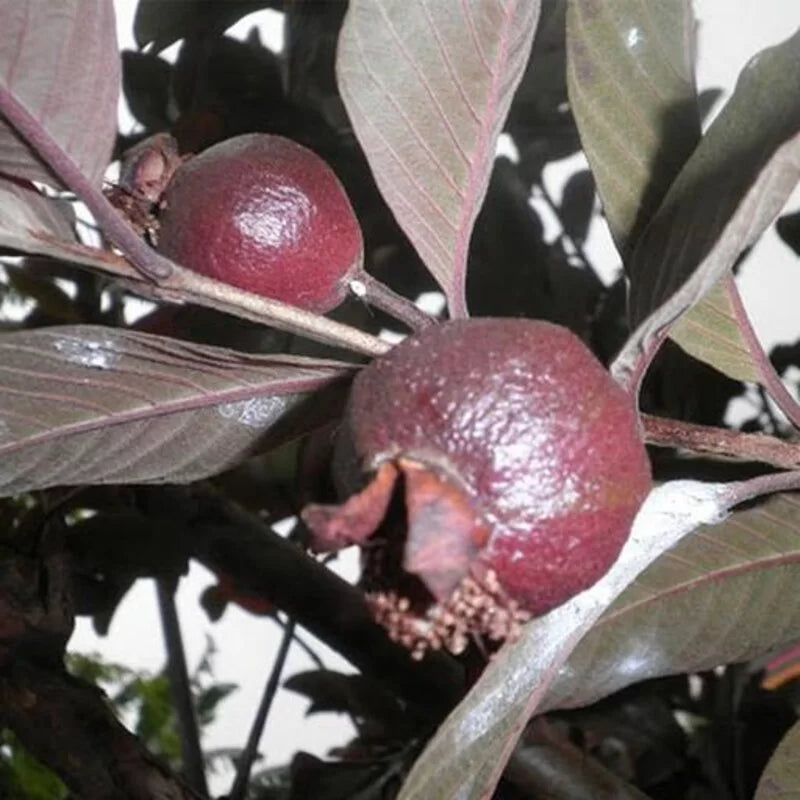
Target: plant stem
{"type": "Point", "coordinates": [142, 256]}
{"type": "Point", "coordinates": [664, 432]}
{"type": "Point", "coordinates": [184, 286]}
{"type": "Point", "coordinates": [546, 764]}
{"type": "Point", "coordinates": [378, 294]}
{"type": "Point", "coordinates": [305, 647]}
{"type": "Point", "coordinates": [248, 756]}
{"type": "Point", "coordinates": [226, 538]}
{"type": "Point", "coordinates": [180, 688]}
{"type": "Point", "coordinates": [742, 491]}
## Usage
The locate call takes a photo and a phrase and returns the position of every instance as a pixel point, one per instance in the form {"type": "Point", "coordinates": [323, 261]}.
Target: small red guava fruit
{"type": "Point", "coordinates": [520, 465]}
{"type": "Point", "coordinates": [267, 215]}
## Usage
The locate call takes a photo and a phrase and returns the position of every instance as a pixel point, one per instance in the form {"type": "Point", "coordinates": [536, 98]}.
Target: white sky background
{"type": "Point", "coordinates": [729, 34]}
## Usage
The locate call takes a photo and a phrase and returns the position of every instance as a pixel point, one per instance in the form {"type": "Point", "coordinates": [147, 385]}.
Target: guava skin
{"type": "Point", "coordinates": [521, 466]}
{"type": "Point", "coordinates": [267, 215]}
{"type": "Point", "coordinates": [521, 416]}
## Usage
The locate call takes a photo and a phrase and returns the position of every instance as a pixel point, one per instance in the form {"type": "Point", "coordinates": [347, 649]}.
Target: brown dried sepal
{"type": "Point", "coordinates": [445, 534]}
{"type": "Point", "coordinates": [447, 595]}
{"type": "Point", "coordinates": [145, 171]}
{"type": "Point", "coordinates": [335, 527]}
{"type": "Point", "coordinates": [478, 606]}
{"type": "Point", "coordinates": [147, 168]}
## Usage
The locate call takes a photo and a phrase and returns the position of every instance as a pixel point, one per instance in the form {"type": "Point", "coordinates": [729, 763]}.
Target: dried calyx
{"type": "Point", "coordinates": [492, 470]}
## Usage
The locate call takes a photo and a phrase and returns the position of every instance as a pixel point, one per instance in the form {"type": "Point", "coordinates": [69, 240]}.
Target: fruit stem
{"type": "Point", "coordinates": [761, 447]}
{"type": "Point", "coordinates": [378, 294]}
{"type": "Point", "coordinates": [742, 491]}
{"type": "Point", "coordinates": [142, 256]}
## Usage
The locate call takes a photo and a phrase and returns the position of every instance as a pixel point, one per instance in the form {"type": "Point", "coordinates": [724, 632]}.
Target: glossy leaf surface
{"type": "Point", "coordinates": [428, 86]}
{"type": "Point", "coordinates": [88, 404]}
{"type": "Point", "coordinates": [60, 62]}
{"type": "Point", "coordinates": [722, 595]}
{"type": "Point", "coordinates": [468, 753]}
{"type": "Point", "coordinates": [632, 90]}
{"type": "Point", "coordinates": [729, 191]}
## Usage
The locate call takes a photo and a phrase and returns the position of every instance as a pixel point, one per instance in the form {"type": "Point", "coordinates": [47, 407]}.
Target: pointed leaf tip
{"type": "Point", "coordinates": [427, 87]}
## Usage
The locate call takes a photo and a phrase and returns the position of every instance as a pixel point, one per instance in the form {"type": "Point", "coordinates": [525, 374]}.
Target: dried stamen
{"type": "Point", "coordinates": [477, 606]}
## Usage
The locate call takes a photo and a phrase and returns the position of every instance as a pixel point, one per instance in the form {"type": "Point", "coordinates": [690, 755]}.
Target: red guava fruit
{"type": "Point", "coordinates": [517, 465]}
{"type": "Point", "coordinates": [267, 215]}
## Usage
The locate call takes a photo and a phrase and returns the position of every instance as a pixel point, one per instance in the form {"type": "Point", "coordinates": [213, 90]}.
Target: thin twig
{"type": "Point", "coordinates": [227, 539]}
{"type": "Point", "coordinates": [547, 764]}
{"type": "Point", "coordinates": [664, 432]}
{"type": "Point", "coordinates": [180, 688]}
{"type": "Point", "coordinates": [142, 256]}
{"type": "Point", "coordinates": [185, 286]}
{"type": "Point", "coordinates": [742, 491]}
{"type": "Point", "coordinates": [307, 649]}
{"type": "Point", "coordinates": [248, 756]}
{"type": "Point", "coordinates": [378, 294]}
{"type": "Point", "coordinates": [177, 284]}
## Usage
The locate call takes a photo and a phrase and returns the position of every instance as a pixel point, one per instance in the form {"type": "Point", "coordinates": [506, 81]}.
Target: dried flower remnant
{"type": "Point", "coordinates": [144, 174]}
{"type": "Point", "coordinates": [520, 468]}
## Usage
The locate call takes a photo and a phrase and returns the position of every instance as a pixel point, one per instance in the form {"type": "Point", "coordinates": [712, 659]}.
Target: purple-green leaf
{"type": "Point", "coordinates": [718, 331]}
{"type": "Point", "coordinates": [33, 223]}
{"type": "Point", "coordinates": [781, 778]}
{"type": "Point", "coordinates": [88, 404]}
{"type": "Point", "coordinates": [60, 62]}
{"type": "Point", "coordinates": [428, 86]}
{"type": "Point", "coordinates": [729, 191]}
{"type": "Point", "coordinates": [724, 594]}
{"type": "Point", "coordinates": [469, 751]}
{"type": "Point", "coordinates": [632, 89]}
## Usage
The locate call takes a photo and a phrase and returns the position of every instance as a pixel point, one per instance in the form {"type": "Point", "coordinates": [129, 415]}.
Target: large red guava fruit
{"type": "Point", "coordinates": [265, 214]}
{"type": "Point", "coordinates": [521, 468]}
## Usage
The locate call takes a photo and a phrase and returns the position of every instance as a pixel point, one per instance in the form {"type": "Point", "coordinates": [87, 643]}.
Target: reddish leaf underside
{"type": "Point", "coordinates": [60, 61]}
{"type": "Point", "coordinates": [87, 404]}
{"type": "Point", "coordinates": [428, 86]}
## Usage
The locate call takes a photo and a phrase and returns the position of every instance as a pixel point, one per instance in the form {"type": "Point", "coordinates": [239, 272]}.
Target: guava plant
{"type": "Point", "coordinates": [547, 607]}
